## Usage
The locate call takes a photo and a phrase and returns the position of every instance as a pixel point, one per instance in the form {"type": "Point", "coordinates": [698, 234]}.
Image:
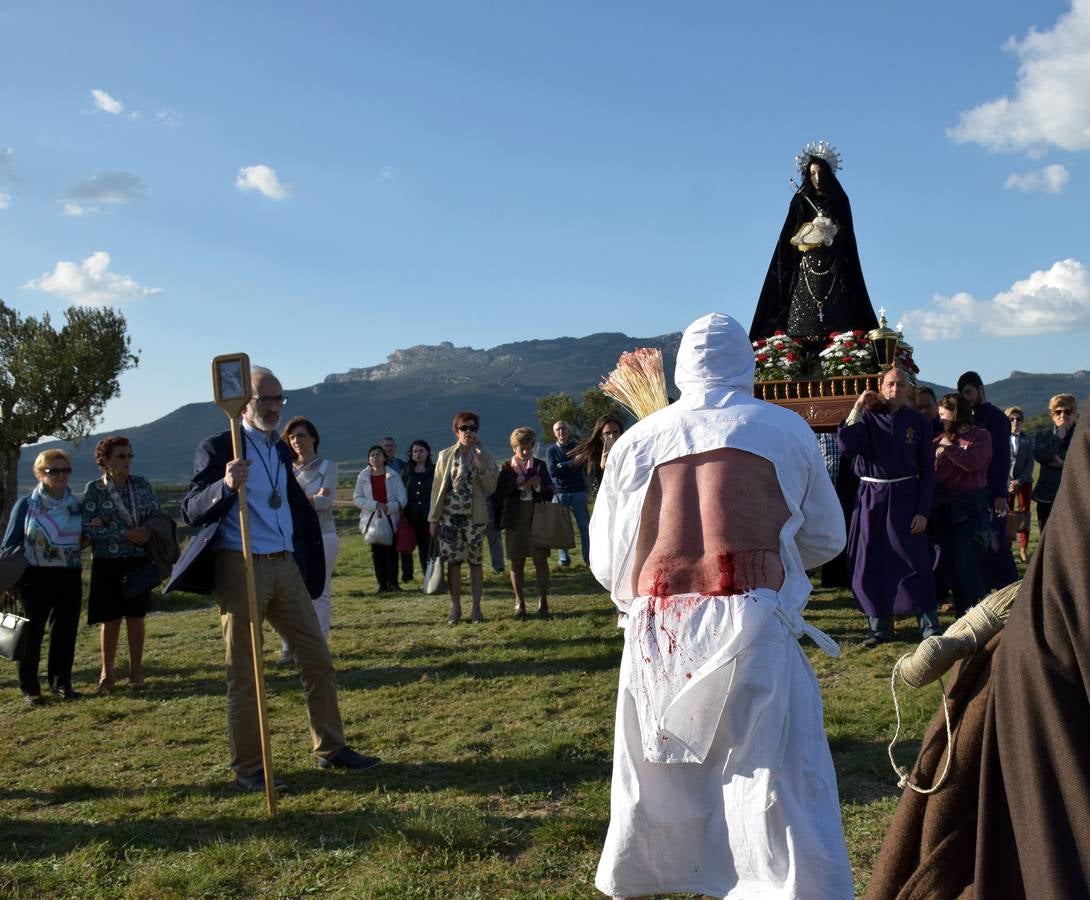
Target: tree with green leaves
{"type": "Point", "coordinates": [580, 416]}
{"type": "Point", "coordinates": [55, 382]}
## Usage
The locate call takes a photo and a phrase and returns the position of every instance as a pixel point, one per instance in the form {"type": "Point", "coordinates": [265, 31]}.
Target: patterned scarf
{"type": "Point", "coordinates": [53, 529]}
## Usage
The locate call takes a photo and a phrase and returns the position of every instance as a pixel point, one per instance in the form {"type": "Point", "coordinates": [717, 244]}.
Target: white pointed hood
{"type": "Point", "coordinates": [715, 358]}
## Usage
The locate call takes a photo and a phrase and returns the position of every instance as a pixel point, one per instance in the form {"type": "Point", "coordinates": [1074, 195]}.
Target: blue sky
{"type": "Point", "coordinates": [320, 184]}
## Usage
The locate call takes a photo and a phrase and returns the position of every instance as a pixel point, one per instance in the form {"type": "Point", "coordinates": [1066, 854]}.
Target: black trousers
{"type": "Point", "coordinates": [1043, 512]}
{"type": "Point", "coordinates": [385, 560]}
{"type": "Point", "coordinates": [51, 595]}
{"type": "Point", "coordinates": [423, 536]}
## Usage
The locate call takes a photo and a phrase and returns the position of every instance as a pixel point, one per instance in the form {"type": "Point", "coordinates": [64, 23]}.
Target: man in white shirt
{"type": "Point", "coordinates": [289, 569]}
{"type": "Point", "coordinates": [709, 513]}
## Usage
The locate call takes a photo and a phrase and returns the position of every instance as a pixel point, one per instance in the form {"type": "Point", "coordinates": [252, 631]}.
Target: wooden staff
{"type": "Point", "coordinates": [232, 389]}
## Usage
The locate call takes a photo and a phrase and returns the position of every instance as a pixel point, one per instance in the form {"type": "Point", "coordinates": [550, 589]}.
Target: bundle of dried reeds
{"type": "Point", "coordinates": [638, 383]}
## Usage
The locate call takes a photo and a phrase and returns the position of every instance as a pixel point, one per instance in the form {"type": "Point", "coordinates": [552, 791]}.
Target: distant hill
{"type": "Point", "coordinates": [414, 394]}
{"type": "Point", "coordinates": [417, 391]}
{"type": "Point", "coordinates": [1030, 391]}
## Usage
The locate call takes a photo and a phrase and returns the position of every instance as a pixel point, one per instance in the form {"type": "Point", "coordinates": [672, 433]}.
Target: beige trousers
{"type": "Point", "coordinates": [282, 598]}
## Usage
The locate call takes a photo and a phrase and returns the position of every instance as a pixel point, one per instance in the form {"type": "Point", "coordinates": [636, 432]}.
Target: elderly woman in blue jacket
{"type": "Point", "coordinates": [48, 523]}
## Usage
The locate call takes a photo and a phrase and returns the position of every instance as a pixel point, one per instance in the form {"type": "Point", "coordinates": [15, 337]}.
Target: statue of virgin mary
{"type": "Point", "coordinates": [814, 286]}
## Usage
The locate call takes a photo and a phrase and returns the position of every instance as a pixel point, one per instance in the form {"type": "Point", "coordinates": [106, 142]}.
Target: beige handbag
{"type": "Point", "coordinates": [552, 527]}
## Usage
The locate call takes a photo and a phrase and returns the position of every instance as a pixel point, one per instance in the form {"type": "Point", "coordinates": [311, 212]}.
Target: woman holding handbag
{"type": "Point", "coordinates": [114, 509]}
{"type": "Point", "coordinates": [48, 524]}
{"type": "Point", "coordinates": [380, 495]}
{"type": "Point", "coordinates": [524, 483]}
{"type": "Point", "coordinates": [318, 479]}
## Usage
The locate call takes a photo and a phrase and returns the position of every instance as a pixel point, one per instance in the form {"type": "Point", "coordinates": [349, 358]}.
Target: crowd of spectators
{"type": "Point", "coordinates": [940, 531]}
{"type": "Point", "coordinates": [937, 491]}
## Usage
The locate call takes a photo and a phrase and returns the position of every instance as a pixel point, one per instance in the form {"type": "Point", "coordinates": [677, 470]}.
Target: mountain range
{"type": "Point", "coordinates": [414, 394]}
{"type": "Point", "coordinates": [417, 391]}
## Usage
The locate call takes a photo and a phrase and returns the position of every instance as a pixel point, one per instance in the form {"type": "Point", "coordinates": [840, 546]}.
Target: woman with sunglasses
{"type": "Point", "coordinates": [1020, 484]}
{"type": "Point", "coordinates": [47, 522]}
{"type": "Point", "coordinates": [465, 476]}
{"type": "Point", "coordinates": [1050, 450]}
{"type": "Point", "coordinates": [115, 508]}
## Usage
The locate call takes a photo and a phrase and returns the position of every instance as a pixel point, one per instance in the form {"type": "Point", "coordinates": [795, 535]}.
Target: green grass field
{"type": "Point", "coordinates": [496, 739]}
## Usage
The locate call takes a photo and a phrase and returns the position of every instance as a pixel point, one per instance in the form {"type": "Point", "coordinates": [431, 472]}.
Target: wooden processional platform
{"type": "Point", "coordinates": [822, 402]}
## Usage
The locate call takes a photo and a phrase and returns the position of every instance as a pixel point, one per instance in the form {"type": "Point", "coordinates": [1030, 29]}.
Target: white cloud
{"type": "Point", "coordinates": [89, 283]}
{"type": "Point", "coordinates": [386, 173]}
{"type": "Point", "coordinates": [169, 117]}
{"type": "Point", "coordinates": [1051, 99]}
{"type": "Point", "coordinates": [261, 178]}
{"type": "Point", "coordinates": [7, 172]}
{"type": "Point", "coordinates": [1050, 180]}
{"type": "Point", "coordinates": [106, 187]}
{"type": "Point", "coordinates": [106, 103]}
{"type": "Point", "coordinates": [1047, 302]}
{"type": "Point", "coordinates": [5, 200]}
{"type": "Point", "coordinates": [74, 209]}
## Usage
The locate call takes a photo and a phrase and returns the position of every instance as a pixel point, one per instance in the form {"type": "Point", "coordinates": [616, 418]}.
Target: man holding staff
{"type": "Point", "coordinates": [289, 568]}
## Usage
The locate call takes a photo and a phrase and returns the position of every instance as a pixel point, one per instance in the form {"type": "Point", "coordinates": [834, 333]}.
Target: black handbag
{"type": "Point", "coordinates": [139, 581]}
{"type": "Point", "coordinates": [14, 631]}
{"type": "Point", "coordinates": [12, 566]}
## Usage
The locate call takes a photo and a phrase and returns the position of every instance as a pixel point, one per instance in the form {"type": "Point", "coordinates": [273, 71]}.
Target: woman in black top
{"type": "Point", "coordinates": [1050, 450]}
{"type": "Point", "coordinates": [523, 482]}
{"type": "Point", "coordinates": [418, 476]}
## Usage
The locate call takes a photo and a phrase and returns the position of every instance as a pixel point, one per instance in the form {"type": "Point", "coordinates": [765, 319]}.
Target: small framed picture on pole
{"type": "Point", "coordinates": [231, 383]}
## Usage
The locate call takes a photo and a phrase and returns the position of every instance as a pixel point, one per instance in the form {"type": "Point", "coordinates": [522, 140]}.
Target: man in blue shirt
{"type": "Point", "coordinates": [289, 569]}
{"type": "Point", "coordinates": [389, 447]}
{"type": "Point", "coordinates": [570, 484]}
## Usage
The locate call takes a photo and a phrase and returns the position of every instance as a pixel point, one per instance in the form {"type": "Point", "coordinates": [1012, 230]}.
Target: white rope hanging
{"type": "Point", "coordinates": [902, 772]}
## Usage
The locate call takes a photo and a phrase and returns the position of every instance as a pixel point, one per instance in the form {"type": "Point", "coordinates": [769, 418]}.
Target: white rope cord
{"type": "Point", "coordinates": [902, 772]}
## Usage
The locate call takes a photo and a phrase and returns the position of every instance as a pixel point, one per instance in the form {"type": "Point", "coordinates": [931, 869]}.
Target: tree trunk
{"type": "Point", "coordinates": [9, 489]}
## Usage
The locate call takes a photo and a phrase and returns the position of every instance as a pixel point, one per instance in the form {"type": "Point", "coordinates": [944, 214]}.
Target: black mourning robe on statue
{"type": "Point", "coordinates": [848, 306]}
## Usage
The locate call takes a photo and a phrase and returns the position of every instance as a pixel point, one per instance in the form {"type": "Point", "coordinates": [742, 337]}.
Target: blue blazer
{"type": "Point", "coordinates": [205, 504]}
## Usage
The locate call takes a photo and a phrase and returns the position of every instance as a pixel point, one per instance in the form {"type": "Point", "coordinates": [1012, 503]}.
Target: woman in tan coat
{"type": "Point", "coordinates": [465, 475]}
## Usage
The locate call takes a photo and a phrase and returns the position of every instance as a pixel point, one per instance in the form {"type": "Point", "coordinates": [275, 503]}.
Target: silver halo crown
{"type": "Point", "coordinates": [822, 150]}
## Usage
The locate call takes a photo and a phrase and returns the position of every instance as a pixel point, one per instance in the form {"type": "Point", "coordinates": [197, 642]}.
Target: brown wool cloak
{"type": "Point", "coordinates": [1024, 724]}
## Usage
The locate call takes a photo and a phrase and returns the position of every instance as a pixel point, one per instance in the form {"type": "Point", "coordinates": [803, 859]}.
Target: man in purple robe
{"type": "Point", "coordinates": [888, 551]}
{"type": "Point", "coordinates": [996, 563]}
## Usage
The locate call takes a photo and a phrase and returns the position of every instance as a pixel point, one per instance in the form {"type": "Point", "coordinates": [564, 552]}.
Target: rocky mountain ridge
{"type": "Point", "coordinates": [415, 393]}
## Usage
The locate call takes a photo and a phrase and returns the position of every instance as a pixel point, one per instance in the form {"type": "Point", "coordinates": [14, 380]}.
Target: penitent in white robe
{"type": "Point", "coordinates": [723, 783]}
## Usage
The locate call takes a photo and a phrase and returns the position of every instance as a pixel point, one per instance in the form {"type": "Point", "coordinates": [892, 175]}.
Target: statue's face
{"type": "Point", "coordinates": [815, 176]}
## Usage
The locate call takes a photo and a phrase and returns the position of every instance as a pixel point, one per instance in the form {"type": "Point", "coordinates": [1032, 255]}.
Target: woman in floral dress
{"type": "Point", "coordinates": [465, 476]}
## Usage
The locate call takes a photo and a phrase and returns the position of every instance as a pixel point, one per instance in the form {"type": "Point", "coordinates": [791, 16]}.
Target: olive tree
{"type": "Point", "coordinates": [580, 416]}
{"type": "Point", "coordinates": [55, 381]}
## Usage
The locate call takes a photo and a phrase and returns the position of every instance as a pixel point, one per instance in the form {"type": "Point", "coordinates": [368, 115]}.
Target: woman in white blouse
{"type": "Point", "coordinates": [318, 479]}
{"type": "Point", "coordinates": [380, 488]}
